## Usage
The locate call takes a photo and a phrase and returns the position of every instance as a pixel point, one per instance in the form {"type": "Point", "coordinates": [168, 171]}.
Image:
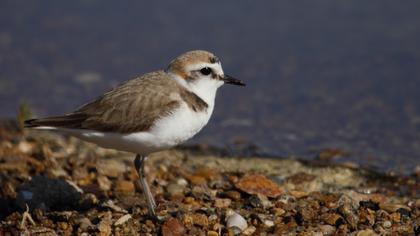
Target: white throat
{"type": "Point", "coordinates": [205, 88]}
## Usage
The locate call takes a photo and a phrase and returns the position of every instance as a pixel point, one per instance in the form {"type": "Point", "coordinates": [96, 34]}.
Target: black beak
{"type": "Point", "coordinates": [231, 80]}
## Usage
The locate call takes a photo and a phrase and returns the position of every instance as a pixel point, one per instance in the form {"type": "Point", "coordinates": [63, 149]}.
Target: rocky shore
{"type": "Point", "coordinates": [56, 185]}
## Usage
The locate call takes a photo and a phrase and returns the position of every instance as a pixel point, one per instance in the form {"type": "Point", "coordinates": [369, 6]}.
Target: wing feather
{"type": "Point", "coordinates": [131, 107]}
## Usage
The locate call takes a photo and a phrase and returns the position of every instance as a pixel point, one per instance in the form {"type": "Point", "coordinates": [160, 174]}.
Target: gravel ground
{"type": "Point", "coordinates": [56, 185]}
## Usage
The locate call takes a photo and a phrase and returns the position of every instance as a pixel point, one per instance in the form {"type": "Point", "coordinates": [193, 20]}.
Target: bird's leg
{"type": "Point", "coordinates": [139, 164]}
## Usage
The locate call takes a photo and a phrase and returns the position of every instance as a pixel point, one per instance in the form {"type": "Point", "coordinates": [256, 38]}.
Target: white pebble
{"type": "Point", "coordinates": [122, 219]}
{"type": "Point", "coordinates": [236, 222]}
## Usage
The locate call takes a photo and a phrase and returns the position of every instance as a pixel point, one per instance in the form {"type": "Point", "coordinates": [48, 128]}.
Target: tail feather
{"type": "Point", "coordinates": [73, 120]}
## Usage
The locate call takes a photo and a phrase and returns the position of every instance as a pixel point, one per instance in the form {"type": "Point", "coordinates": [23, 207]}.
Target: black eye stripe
{"type": "Point", "coordinates": [206, 71]}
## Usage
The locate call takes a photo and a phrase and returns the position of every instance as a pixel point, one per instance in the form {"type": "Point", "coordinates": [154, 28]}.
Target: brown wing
{"type": "Point", "coordinates": [130, 107]}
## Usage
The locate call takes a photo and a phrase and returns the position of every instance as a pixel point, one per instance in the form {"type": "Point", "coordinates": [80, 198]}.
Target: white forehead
{"type": "Point", "coordinates": [217, 67]}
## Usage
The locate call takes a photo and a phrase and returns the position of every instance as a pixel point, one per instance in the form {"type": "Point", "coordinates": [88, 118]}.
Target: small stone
{"type": "Point", "coordinates": [173, 227]}
{"type": "Point", "coordinates": [222, 202]}
{"type": "Point", "coordinates": [391, 207]}
{"type": "Point", "coordinates": [235, 222]}
{"type": "Point", "coordinates": [348, 209]}
{"type": "Point", "coordinates": [124, 186]}
{"type": "Point", "coordinates": [200, 220]}
{"type": "Point", "coordinates": [212, 233]}
{"type": "Point", "coordinates": [197, 180]}
{"type": "Point", "coordinates": [334, 219]}
{"type": "Point", "coordinates": [111, 205]}
{"type": "Point", "coordinates": [63, 225]}
{"type": "Point", "coordinates": [189, 200]}
{"type": "Point", "coordinates": [250, 230]}
{"type": "Point", "coordinates": [104, 183]}
{"type": "Point", "coordinates": [182, 182]}
{"type": "Point", "coordinates": [298, 194]}
{"type": "Point", "coordinates": [327, 229]}
{"type": "Point", "coordinates": [279, 211]}
{"type": "Point", "coordinates": [122, 219]}
{"type": "Point", "coordinates": [104, 226]}
{"type": "Point", "coordinates": [259, 184]}
{"type": "Point", "coordinates": [84, 223]}
{"type": "Point", "coordinates": [395, 217]}
{"type": "Point", "coordinates": [175, 190]}
{"type": "Point", "coordinates": [234, 195]}
{"type": "Point", "coordinates": [387, 224]}
{"type": "Point", "coordinates": [269, 223]}
{"type": "Point", "coordinates": [111, 167]}
{"type": "Point", "coordinates": [367, 232]}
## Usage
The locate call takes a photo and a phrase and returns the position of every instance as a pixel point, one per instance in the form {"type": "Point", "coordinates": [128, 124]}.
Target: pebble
{"type": "Point", "coordinates": [234, 195]}
{"type": "Point", "coordinates": [197, 180]}
{"type": "Point", "coordinates": [122, 219]}
{"type": "Point", "coordinates": [222, 202]}
{"type": "Point", "coordinates": [200, 220]}
{"type": "Point", "coordinates": [298, 194]}
{"type": "Point", "coordinates": [387, 224]}
{"type": "Point", "coordinates": [259, 184]}
{"type": "Point", "coordinates": [125, 186]}
{"type": "Point", "coordinates": [84, 223]}
{"type": "Point", "coordinates": [104, 183]}
{"type": "Point", "coordinates": [250, 230]}
{"type": "Point", "coordinates": [367, 232]}
{"type": "Point", "coordinates": [279, 211]}
{"type": "Point", "coordinates": [391, 207]}
{"type": "Point", "coordinates": [269, 223]}
{"type": "Point", "coordinates": [235, 222]}
{"type": "Point", "coordinates": [334, 219]}
{"type": "Point", "coordinates": [173, 227]}
{"type": "Point", "coordinates": [212, 233]}
{"type": "Point", "coordinates": [175, 189]}
{"type": "Point", "coordinates": [327, 229]}
{"type": "Point", "coordinates": [111, 167]}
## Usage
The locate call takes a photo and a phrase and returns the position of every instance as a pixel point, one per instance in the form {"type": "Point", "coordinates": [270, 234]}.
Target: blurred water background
{"type": "Point", "coordinates": [326, 74]}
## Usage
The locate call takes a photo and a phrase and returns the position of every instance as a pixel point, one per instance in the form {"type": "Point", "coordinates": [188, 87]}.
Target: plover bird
{"type": "Point", "coordinates": [150, 113]}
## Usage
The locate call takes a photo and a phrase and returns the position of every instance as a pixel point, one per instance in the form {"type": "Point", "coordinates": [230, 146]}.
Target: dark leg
{"type": "Point", "coordinates": [151, 204]}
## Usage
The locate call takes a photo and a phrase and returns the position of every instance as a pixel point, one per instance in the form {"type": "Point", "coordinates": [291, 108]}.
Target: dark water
{"type": "Point", "coordinates": [321, 74]}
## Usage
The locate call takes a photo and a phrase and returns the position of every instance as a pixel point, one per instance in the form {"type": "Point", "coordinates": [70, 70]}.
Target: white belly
{"type": "Point", "coordinates": [168, 131]}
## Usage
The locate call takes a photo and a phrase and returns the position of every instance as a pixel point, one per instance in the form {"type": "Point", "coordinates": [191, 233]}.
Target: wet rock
{"type": "Point", "coordinates": [259, 184]}
{"type": "Point", "coordinates": [173, 227]}
{"type": "Point", "coordinates": [44, 193]}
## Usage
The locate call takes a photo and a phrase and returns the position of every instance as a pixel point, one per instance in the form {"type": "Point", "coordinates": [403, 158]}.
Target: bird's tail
{"type": "Point", "coordinates": [73, 120]}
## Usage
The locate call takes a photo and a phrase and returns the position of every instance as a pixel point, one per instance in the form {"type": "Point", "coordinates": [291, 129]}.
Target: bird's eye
{"type": "Point", "coordinates": [206, 71]}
